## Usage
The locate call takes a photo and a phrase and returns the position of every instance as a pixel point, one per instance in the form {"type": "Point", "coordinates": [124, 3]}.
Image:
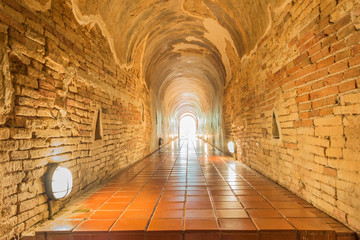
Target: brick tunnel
{"type": "Point", "coordinates": [179, 119]}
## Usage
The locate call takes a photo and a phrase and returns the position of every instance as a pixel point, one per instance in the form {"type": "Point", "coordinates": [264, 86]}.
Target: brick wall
{"type": "Point", "coordinates": [55, 76]}
{"type": "Point", "coordinates": [309, 77]}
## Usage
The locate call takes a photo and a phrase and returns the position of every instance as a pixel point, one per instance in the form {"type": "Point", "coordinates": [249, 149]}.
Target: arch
{"type": "Point", "coordinates": [188, 125]}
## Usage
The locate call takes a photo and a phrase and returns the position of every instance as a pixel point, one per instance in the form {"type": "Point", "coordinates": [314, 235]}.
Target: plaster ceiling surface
{"type": "Point", "coordinates": [185, 50]}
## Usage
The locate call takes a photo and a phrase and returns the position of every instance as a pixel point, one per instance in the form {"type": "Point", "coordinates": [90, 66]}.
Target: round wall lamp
{"type": "Point", "coordinates": [58, 182]}
{"type": "Point", "coordinates": [231, 147]}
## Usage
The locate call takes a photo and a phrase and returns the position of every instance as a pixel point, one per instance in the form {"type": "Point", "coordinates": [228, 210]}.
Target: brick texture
{"type": "Point", "coordinates": [316, 101]}
{"type": "Point", "coordinates": [62, 73]}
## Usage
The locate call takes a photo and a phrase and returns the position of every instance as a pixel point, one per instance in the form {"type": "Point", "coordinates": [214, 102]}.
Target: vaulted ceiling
{"type": "Point", "coordinates": [185, 50]}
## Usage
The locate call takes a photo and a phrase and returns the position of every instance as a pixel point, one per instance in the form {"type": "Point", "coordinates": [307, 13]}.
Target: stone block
{"type": "Point", "coordinates": [328, 121]}
{"type": "Point", "coordinates": [329, 131]}
{"type": "Point", "coordinates": [4, 133]}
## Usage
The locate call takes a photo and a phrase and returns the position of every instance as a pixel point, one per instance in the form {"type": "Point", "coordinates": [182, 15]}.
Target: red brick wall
{"type": "Point", "coordinates": [308, 73]}
{"type": "Point", "coordinates": [55, 74]}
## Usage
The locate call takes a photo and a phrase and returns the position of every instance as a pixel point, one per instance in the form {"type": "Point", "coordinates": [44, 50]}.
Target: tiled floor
{"type": "Point", "coordinates": [189, 190]}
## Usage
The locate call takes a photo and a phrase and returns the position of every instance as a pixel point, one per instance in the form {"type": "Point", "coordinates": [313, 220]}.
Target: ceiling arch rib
{"type": "Point", "coordinates": [184, 50]}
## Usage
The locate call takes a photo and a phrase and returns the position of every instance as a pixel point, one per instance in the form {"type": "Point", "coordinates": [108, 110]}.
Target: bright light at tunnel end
{"type": "Point", "coordinates": [188, 127]}
{"type": "Point", "coordinates": [58, 182]}
{"type": "Point", "coordinates": [231, 147]}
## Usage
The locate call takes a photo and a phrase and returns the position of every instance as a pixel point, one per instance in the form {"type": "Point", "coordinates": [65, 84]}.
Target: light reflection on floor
{"type": "Point", "coordinates": [190, 190]}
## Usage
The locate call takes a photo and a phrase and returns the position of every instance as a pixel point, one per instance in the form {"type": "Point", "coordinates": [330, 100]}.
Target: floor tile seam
{"type": "Point", "coordinates": [112, 225]}
{"type": "Point", "coordinates": [90, 193]}
{"type": "Point", "coordinates": [214, 165]}
{"type": "Point", "coordinates": [118, 192]}
{"type": "Point", "coordinates": [186, 183]}
{"type": "Point", "coordinates": [96, 191]}
{"type": "Point", "coordinates": [253, 189]}
{"type": "Point", "coordinates": [157, 203]}
{"type": "Point", "coordinates": [276, 209]}
{"type": "Point", "coordinates": [248, 214]}
{"type": "Point", "coordinates": [207, 186]}
{"type": "Point", "coordinates": [183, 231]}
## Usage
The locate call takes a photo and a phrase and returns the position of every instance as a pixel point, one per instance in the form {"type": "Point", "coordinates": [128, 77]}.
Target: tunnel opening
{"type": "Point", "coordinates": [188, 125]}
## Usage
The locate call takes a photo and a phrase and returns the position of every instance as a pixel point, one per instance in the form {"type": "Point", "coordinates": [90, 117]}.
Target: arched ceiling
{"type": "Point", "coordinates": [185, 50]}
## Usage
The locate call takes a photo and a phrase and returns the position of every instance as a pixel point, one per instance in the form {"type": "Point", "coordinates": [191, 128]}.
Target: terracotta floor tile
{"type": "Point", "coordinates": [106, 214]}
{"type": "Point", "coordinates": [241, 187]}
{"type": "Point", "coordinates": [264, 213]}
{"type": "Point", "coordinates": [120, 199]}
{"type": "Point", "coordinates": [199, 213]}
{"type": "Point", "coordinates": [238, 213]}
{"type": "Point", "coordinates": [201, 224]}
{"type": "Point", "coordinates": [198, 205]}
{"type": "Point", "coordinates": [222, 193]}
{"type": "Point", "coordinates": [252, 198]}
{"type": "Point", "coordinates": [173, 199]}
{"type": "Point", "coordinates": [242, 224]}
{"type": "Point", "coordinates": [92, 205]}
{"type": "Point", "coordinates": [174, 188]}
{"type": "Point", "coordinates": [169, 214]}
{"type": "Point", "coordinates": [141, 205]}
{"type": "Point", "coordinates": [197, 189]}
{"type": "Point", "coordinates": [246, 192]}
{"type": "Point", "coordinates": [272, 192]}
{"type": "Point", "coordinates": [94, 226]}
{"type": "Point", "coordinates": [277, 198]}
{"type": "Point", "coordinates": [100, 195]}
{"type": "Point", "coordinates": [138, 224]}
{"type": "Point", "coordinates": [170, 205]}
{"type": "Point", "coordinates": [165, 225]}
{"type": "Point", "coordinates": [136, 214]}
{"type": "Point", "coordinates": [259, 204]}
{"type": "Point", "coordinates": [272, 224]}
{"type": "Point", "coordinates": [125, 194]}
{"type": "Point", "coordinates": [197, 198]}
{"type": "Point", "coordinates": [114, 206]}
{"type": "Point", "coordinates": [228, 205]}
{"type": "Point", "coordinates": [197, 193]}
{"type": "Point", "coordinates": [225, 198]}
{"type": "Point", "coordinates": [77, 215]}
{"type": "Point", "coordinates": [220, 188]}
{"type": "Point", "coordinates": [286, 205]}
{"type": "Point", "coordinates": [173, 194]}
{"type": "Point", "coordinates": [297, 213]}
{"type": "Point", "coordinates": [315, 224]}
{"type": "Point", "coordinates": [60, 226]}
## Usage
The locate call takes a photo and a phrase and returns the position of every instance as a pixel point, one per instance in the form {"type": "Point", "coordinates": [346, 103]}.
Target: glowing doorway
{"type": "Point", "coordinates": [188, 127]}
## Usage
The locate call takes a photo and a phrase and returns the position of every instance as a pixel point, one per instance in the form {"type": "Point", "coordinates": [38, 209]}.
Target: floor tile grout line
{"type": "Point", "coordinates": [147, 165]}
{"type": "Point", "coordinates": [209, 192]}
{"type": "Point", "coordinates": [90, 193]}
{"type": "Point", "coordinates": [166, 164]}
{"type": "Point", "coordinates": [232, 190]}
{"type": "Point", "coordinates": [87, 218]}
{"type": "Point", "coordinates": [150, 218]}
{"type": "Point", "coordinates": [262, 197]}
{"type": "Point", "coordinates": [251, 219]}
